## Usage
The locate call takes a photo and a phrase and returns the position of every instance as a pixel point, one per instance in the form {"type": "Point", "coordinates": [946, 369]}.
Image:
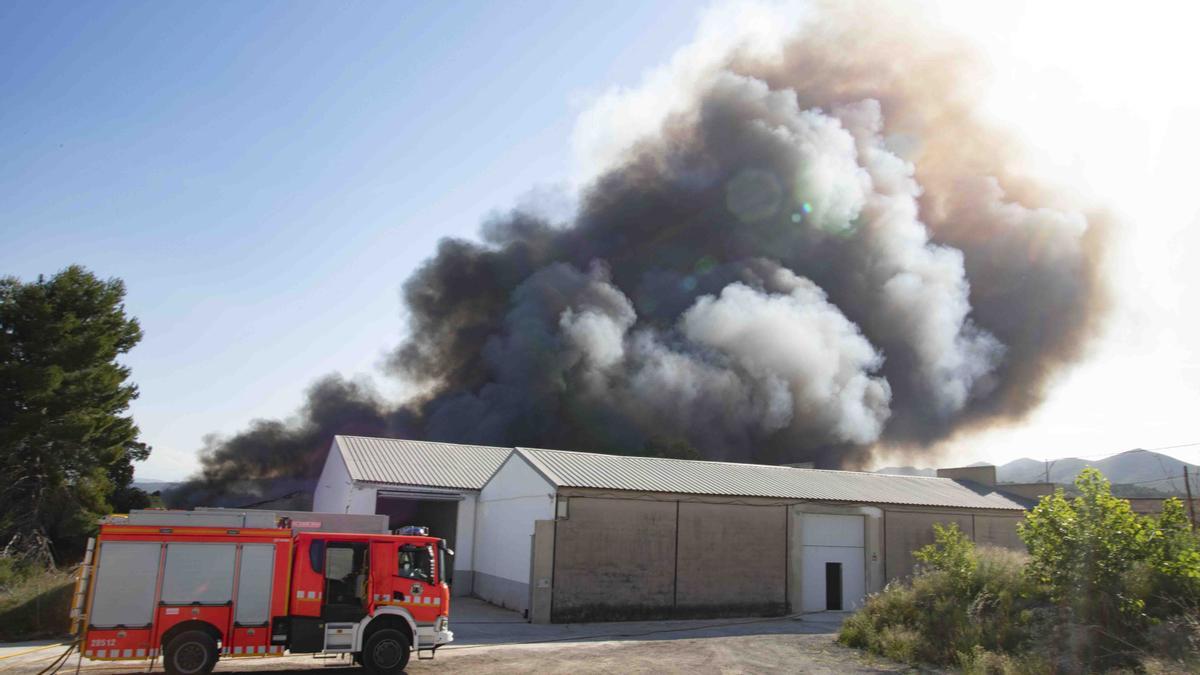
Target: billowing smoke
{"type": "Point", "coordinates": [803, 249]}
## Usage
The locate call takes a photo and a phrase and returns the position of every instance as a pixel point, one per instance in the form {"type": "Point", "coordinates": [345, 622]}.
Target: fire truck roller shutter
{"type": "Point", "coordinates": [124, 592]}
{"type": "Point", "coordinates": [198, 573]}
{"type": "Point", "coordinates": [254, 585]}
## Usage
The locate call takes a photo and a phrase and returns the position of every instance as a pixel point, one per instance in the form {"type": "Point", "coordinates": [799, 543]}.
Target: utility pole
{"type": "Point", "coordinates": [1187, 485]}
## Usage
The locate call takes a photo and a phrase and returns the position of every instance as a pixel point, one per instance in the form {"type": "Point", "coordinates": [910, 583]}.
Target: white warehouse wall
{"type": "Point", "coordinates": [515, 497]}
{"type": "Point", "coordinates": [464, 546]}
{"type": "Point", "coordinates": [332, 494]}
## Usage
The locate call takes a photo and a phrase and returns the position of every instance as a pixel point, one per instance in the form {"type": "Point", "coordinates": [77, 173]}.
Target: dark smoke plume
{"type": "Point", "coordinates": [818, 251]}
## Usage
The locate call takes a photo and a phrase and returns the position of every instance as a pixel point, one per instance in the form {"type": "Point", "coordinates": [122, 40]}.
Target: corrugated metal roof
{"type": "Point", "coordinates": [651, 474]}
{"type": "Point", "coordinates": [423, 463]}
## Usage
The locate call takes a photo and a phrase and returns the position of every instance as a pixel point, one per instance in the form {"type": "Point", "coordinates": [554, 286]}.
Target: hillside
{"type": "Point", "coordinates": [1134, 468]}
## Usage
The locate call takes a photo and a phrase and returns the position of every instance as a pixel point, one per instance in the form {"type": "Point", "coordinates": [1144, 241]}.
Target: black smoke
{"type": "Point", "coordinates": [818, 253]}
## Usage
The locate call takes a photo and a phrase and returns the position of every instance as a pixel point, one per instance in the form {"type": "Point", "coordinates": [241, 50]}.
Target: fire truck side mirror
{"type": "Point", "coordinates": [446, 562]}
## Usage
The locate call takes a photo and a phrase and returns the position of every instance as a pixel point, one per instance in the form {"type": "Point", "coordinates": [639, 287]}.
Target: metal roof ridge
{"type": "Point", "coordinates": [414, 440]}
{"type": "Point", "coordinates": [748, 464]}
{"type": "Point", "coordinates": [525, 454]}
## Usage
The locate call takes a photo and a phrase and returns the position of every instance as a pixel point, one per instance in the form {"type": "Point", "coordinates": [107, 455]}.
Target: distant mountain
{"type": "Point", "coordinates": [1146, 470]}
{"type": "Point", "coordinates": [1140, 467]}
{"type": "Point", "coordinates": [154, 485]}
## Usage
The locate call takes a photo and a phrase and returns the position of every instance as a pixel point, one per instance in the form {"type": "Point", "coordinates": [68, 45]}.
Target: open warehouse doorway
{"type": "Point", "coordinates": [438, 512]}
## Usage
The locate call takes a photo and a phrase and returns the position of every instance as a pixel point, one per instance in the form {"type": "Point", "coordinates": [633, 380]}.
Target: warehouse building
{"type": "Point", "coordinates": [411, 482]}
{"type": "Point", "coordinates": [573, 536]}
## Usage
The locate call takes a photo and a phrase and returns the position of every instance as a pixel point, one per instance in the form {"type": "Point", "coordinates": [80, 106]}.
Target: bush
{"type": "Point", "coordinates": [1112, 575]}
{"type": "Point", "coordinates": [961, 597]}
{"type": "Point", "coordinates": [1102, 588]}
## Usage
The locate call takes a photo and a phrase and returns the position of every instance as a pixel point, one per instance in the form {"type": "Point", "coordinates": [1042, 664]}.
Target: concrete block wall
{"type": "Point", "coordinates": [646, 558]}
{"type": "Point", "coordinates": [614, 559]}
{"type": "Point", "coordinates": [906, 530]}
{"type": "Point", "coordinates": [732, 559]}
{"type": "Point", "coordinates": [663, 556]}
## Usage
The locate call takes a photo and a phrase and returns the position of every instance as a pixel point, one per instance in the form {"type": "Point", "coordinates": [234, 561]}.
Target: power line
{"type": "Point", "coordinates": [1171, 447]}
{"type": "Point", "coordinates": [1114, 453]}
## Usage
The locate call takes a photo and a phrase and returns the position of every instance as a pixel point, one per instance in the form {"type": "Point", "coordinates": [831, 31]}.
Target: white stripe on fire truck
{"type": "Point", "coordinates": [128, 653]}
{"type": "Point", "coordinates": [237, 650]}
{"type": "Point", "coordinates": [100, 653]}
{"type": "Point", "coordinates": [437, 601]}
{"type": "Point", "coordinates": [141, 653]}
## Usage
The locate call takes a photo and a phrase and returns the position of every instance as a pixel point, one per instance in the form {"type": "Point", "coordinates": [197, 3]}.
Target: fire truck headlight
{"type": "Point", "coordinates": [443, 622]}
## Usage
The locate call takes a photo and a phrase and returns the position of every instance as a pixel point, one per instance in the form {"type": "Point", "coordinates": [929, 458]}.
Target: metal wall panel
{"type": "Point", "coordinates": [125, 584]}
{"type": "Point", "coordinates": [198, 573]}
{"type": "Point", "coordinates": [254, 584]}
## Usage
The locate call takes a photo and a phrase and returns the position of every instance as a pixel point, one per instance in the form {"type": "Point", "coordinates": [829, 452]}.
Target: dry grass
{"type": "Point", "coordinates": [35, 604]}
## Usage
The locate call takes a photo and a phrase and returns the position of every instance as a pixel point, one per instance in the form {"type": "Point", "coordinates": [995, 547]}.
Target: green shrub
{"type": "Point", "coordinates": [1102, 588]}
{"type": "Point", "coordinates": [1113, 575]}
{"type": "Point", "coordinates": [12, 572]}
{"type": "Point", "coordinates": [949, 607]}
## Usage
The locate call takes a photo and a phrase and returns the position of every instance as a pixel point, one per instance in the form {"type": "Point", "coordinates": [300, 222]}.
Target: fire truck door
{"type": "Point", "coordinates": [346, 577]}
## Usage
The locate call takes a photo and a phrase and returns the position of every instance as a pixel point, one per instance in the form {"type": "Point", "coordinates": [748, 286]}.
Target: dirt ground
{"type": "Point", "coordinates": [492, 640]}
{"type": "Point", "coordinates": [738, 654]}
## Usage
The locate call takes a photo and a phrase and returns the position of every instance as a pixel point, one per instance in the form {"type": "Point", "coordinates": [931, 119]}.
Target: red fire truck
{"type": "Point", "coordinates": [191, 593]}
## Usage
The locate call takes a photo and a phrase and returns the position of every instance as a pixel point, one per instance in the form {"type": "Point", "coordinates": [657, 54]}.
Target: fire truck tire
{"type": "Point", "coordinates": [386, 652]}
{"type": "Point", "coordinates": [192, 652]}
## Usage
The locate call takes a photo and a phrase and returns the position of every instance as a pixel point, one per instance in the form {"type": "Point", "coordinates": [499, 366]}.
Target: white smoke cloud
{"type": "Point", "coordinates": [800, 348]}
{"type": "Point", "coordinates": [749, 364]}
{"type": "Point", "coordinates": [920, 289]}
{"type": "Point", "coordinates": [621, 116]}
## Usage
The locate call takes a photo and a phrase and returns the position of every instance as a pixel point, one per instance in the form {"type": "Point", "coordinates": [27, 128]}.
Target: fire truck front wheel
{"type": "Point", "coordinates": [192, 652]}
{"type": "Point", "coordinates": [386, 652]}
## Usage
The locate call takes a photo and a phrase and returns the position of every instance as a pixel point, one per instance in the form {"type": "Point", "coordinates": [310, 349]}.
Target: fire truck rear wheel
{"type": "Point", "coordinates": [386, 652]}
{"type": "Point", "coordinates": [192, 652]}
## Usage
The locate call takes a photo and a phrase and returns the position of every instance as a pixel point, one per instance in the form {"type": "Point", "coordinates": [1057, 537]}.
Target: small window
{"type": "Point", "coordinates": [416, 562]}
{"type": "Point", "coordinates": [316, 555]}
{"type": "Point", "coordinates": [339, 564]}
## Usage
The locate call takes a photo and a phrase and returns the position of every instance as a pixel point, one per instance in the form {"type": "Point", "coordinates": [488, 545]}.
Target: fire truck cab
{"type": "Point", "coordinates": [193, 593]}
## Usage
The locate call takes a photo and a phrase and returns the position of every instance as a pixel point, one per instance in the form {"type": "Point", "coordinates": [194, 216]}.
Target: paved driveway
{"type": "Point", "coordinates": [489, 639]}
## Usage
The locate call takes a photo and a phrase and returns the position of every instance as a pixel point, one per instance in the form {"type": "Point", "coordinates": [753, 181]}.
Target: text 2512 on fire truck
{"type": "Point", "coordinates": [198, 586]}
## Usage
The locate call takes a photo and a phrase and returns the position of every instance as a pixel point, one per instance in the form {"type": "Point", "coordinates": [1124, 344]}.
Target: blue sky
{"type": "Point", "coordinates": [264, 175]}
